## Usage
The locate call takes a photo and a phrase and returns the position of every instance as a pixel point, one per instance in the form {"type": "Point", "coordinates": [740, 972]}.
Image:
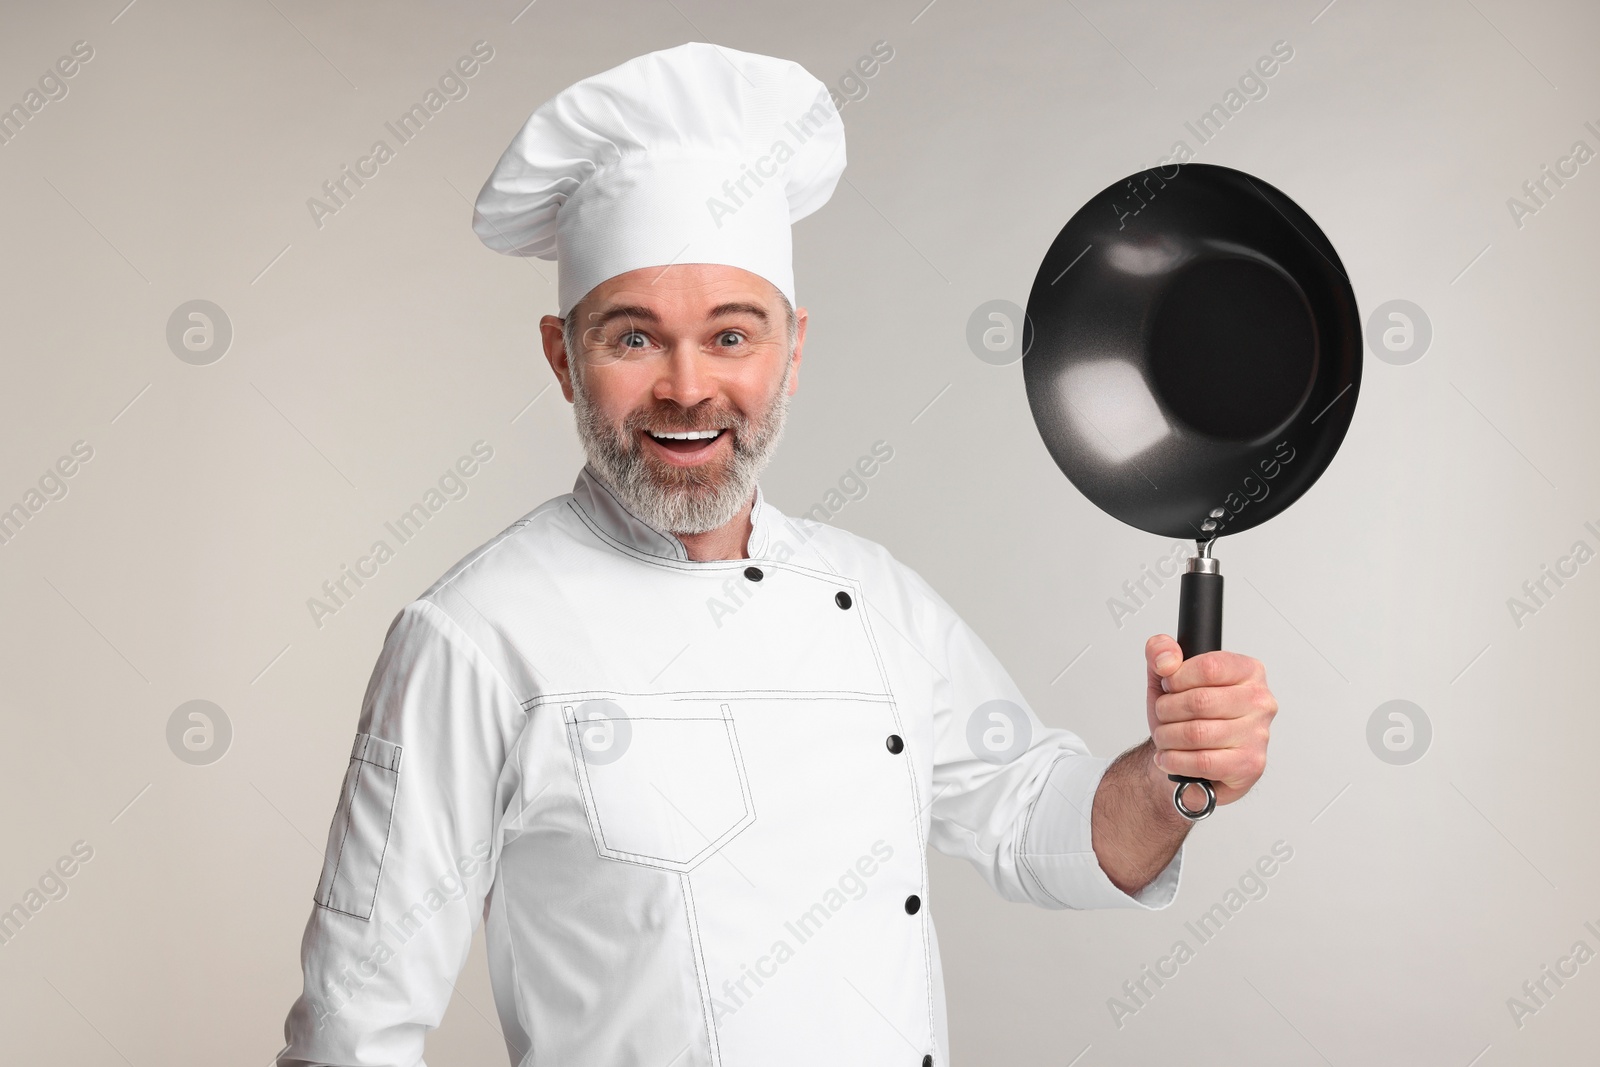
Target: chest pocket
{"type": "Point", "coordinates": [663, 781]}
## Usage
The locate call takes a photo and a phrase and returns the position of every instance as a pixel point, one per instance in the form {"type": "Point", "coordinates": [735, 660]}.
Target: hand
{"type": "Point", "coordinates": [1209, 716]}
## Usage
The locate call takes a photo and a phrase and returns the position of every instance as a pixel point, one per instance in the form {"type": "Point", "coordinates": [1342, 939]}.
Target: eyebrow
{"type": "Point", "coordinates": [739, 308]}
{"type": "Point", "coordinates": [629, 311]}
{"type": "Point", "coordinates": [644, 314]}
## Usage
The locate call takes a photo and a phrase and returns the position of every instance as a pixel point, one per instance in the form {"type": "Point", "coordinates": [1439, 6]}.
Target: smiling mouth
{"type": "Point", "coordinates": [685, 443]}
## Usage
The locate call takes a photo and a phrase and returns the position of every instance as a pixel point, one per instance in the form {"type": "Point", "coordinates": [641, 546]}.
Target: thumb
{"type": "Point", "coordinates": [1162, 657]}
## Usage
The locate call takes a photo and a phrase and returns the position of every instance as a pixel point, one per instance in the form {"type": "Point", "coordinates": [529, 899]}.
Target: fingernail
{"type": "Point", "coordinates": [1161, 760]}
{"type": "Point", "coordinates": [1165, 660]}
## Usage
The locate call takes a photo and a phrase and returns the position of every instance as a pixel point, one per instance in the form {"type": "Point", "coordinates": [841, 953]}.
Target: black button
{"type": "Point", "coordinates": [842, 599]}
{"type": "Point", "coordinates": [913, 904]}
{"type": "Point", "coordinates": [753, 573]}
{"type": "Point", "coordinates": [927, 1061]}
{"type": "Point", "coordinates": [895, 744]}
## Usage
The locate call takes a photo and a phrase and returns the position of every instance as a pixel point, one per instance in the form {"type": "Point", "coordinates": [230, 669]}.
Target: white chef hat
{"type": "Point", "coordinates": [693, 154]}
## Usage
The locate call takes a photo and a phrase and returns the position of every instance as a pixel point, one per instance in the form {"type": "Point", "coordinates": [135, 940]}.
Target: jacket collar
{"type": "Point", "coordinates": [601, 504]}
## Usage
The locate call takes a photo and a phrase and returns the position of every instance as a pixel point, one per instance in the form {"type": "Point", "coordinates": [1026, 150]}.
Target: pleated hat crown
{"type": "Point", "coordinates": [693, 154]}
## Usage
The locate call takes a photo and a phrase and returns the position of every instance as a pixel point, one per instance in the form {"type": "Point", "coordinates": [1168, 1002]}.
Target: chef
{"type": "Point", "coordinates": [681, 753]}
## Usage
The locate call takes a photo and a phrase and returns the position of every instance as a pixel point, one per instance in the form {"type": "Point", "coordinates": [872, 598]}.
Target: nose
{"type": "Point", "coordinates": [684, 378]}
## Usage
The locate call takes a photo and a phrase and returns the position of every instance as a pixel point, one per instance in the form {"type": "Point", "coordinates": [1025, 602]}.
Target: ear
{"type": "Point", "coordinates": [555, 350]}
{"type": "Point", "coordinates": [800, 316]}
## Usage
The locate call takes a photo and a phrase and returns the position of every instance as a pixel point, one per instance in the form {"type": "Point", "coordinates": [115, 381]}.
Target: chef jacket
{"type": "Point", "coordinates": [690, 799]}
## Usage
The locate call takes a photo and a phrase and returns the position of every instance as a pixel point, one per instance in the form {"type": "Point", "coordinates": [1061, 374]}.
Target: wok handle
{"type": "Point", "coordinates": [1199, 630]}
{"type": "Point", "coordinates": [1200, 612]}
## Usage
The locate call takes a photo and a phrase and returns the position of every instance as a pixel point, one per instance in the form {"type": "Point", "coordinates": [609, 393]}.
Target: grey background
{"type": "Point", "coordinates": [369, 354]}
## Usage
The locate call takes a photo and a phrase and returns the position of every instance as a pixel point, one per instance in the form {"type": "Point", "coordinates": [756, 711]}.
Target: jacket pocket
{"type": "Point", "coordinates": [360, 833]}
{"type": "Point", "coordinates": [663, 781]}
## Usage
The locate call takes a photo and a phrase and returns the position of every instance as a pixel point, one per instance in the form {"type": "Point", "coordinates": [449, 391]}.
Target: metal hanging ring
{"type": "Point", "coordinates": [1192, 814]}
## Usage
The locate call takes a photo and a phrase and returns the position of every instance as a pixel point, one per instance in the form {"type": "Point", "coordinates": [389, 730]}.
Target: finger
{"type": "Point", "coordinates": [1217, 702]}
{"type": "Point", "coordinates": [1214, 669]}
{"type": "Point", "coordinates": [1192, 735]}
{"type": "Point", "coordinates": [1162, 656]}
{"type": "Point", "coordinates": [1213, 702]}
{"type": "Point", "coordinates": [1231, 766]}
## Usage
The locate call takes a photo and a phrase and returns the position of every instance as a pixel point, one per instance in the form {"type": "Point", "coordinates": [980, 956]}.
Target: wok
{"type": "Point", "coordinates": [1192, 364]}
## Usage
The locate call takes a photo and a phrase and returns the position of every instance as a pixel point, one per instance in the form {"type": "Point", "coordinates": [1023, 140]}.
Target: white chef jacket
{"type": "Point", "coordinates": [690, 799]}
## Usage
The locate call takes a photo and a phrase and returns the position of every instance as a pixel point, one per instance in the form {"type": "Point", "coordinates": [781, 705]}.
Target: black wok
{"type": "Point", "coordinates": [1193, 362]}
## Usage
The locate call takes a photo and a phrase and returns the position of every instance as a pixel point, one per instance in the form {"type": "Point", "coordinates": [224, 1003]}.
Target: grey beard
{"type": "Point", "coordinates": [681, 500]}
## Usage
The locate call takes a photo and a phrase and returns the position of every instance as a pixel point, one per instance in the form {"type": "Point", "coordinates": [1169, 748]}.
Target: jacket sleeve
{"type": "Point", "coordinates": [411, 851]}
{"type": "Point", "coordinates": [1010, 795]}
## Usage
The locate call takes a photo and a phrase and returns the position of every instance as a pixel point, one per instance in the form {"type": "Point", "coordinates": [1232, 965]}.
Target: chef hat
{"type": "Point", "coordinates": [693, 154]}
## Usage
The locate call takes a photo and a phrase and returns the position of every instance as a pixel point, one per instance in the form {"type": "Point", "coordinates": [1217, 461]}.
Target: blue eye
{"type": "Point", "coordinates": [735, 334]}
{"type": "Point", "coordinates": [629, 337]}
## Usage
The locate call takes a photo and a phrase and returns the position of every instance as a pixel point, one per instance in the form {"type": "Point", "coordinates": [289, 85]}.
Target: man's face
{"type": "Point", "coordinates": [680, 379]}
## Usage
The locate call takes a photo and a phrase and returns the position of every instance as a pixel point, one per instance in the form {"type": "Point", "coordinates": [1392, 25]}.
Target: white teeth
{"type": "Point", "coordinates": [685, 435]}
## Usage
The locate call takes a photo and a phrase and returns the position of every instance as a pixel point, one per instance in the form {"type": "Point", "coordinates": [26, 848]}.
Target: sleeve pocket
{"type": "Point", "coordinates": [360, 833]}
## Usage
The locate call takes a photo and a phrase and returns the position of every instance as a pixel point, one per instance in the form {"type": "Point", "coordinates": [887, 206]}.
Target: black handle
{"type": "Point", "coordinates": [1199, 630]}
{"type": "Point", "coordinates": [1199, 613]}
